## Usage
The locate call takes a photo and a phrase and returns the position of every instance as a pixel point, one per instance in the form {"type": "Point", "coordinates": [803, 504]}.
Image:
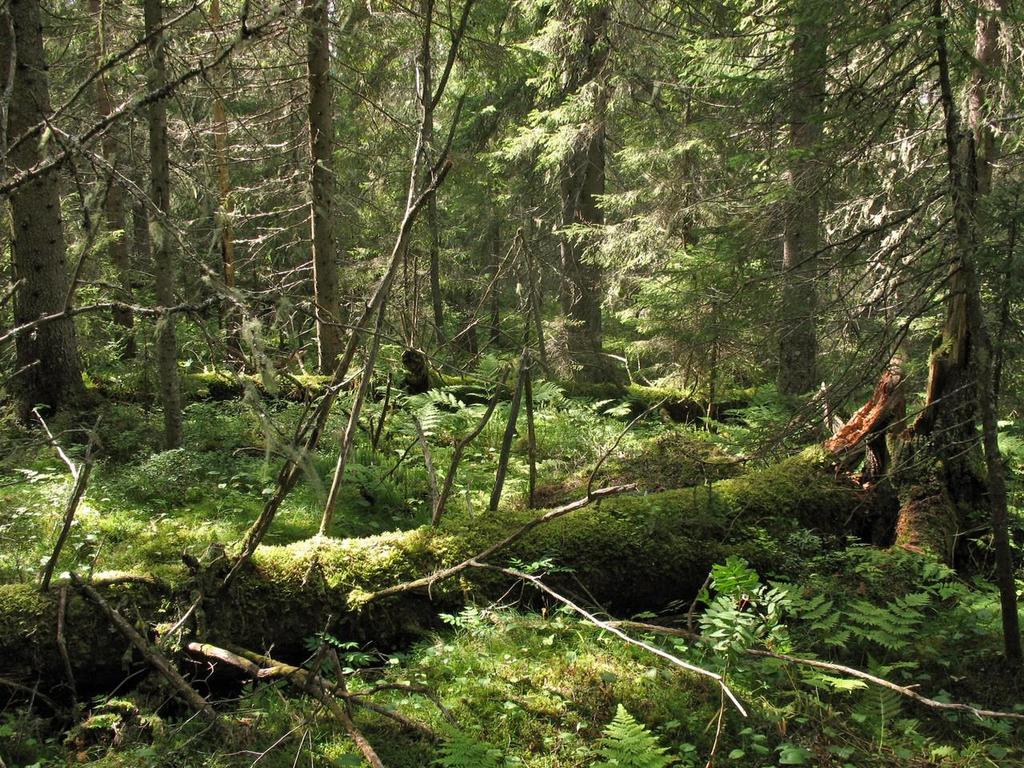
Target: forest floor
{"type": "Point", "coordinates": [519, 681]}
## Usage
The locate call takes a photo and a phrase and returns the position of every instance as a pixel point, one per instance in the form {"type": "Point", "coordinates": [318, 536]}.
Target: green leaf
{"type": "Point", "coordinates": [791, 754]}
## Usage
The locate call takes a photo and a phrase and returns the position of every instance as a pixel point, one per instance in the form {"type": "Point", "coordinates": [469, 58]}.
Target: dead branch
{"type": "Point", "coordinates": [264, 668]}
{"type": "Point", "coordinates": [905, 691]}
{"type": "Point", "coordinates": [32, 693]}
{"type": "Point", "coordinates": [81, 477]}
{"type": "Point", "coordinates": [107, 306]}
{"type": "Point", "coordinates": [460, 446]}
{"type": "Point", "coordinates": [185, 691]}
{"type": "Point", "coordinates": [350, 428]}
{"type": "Point", "coordinates": [610, 627]}
{"type": "Point", "coordinates": [510, 431]}
{"type": "Point", "coordinates": [245, 36]}
{"type": "Point", "coordinates": [428, 581]}
{"type": "Point", "coordinates": [308, 436]}
{"type": "Point", "coordinates": [62, 646]}
{"type": "Point", "coordinates": [881, 682]}
{"type": "Point", "coordinates": [615, 443]}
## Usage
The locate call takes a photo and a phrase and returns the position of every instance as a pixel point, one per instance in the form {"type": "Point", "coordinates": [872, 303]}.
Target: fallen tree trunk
{"type": "Point", "coordinates": [630, 552]}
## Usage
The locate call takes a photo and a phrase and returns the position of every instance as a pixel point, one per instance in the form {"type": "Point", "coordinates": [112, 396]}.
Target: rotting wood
{"type": "Point", "coordinates": [868, 426]}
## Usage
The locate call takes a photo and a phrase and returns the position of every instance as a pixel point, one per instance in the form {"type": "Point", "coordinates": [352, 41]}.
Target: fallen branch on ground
{"type": "Point", "coordinates": [610, 627]}
{"type": "Point", "coordinates": [185, 691]}
{"type": "Point", "coordinates": [264, 668]}
{"type": "Point", "coordinates": [902, 690]}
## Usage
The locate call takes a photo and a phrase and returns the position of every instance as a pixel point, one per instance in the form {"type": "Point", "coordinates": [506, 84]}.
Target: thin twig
{"type": "Point", "coordinates": [615, 443]}
{"type": "Point", "coordinates": [264, 667]}
{"type": "Point", "coordinates": [446, 573]}
{"type": "Point", "coordinates": [883, 683]}
{"type": "Point", "coordinates": [81, 476]}
{"type": "Point", "coordinates": [33, 693]}
{"type": "Point", "coordinates": [909, 693]}
{"type": "Point", "coordinates": [72, 467]}
{"type": "Point", "coordinates": [610, 627]}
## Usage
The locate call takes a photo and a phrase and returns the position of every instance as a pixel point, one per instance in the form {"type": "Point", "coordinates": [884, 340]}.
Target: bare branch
{"type": "Point", "coordinates": [446, 573]}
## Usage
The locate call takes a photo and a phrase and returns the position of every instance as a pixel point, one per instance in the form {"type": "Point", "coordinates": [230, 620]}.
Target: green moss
{"type": "Point", "coordinates": [22, 608]}
{"type": "Point", "coordinates": [632, 552]}
{"type": "Point", "coordinates": [228, 385]}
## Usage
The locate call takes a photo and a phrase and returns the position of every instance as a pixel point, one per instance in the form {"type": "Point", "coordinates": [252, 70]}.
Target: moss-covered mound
{"type": "Point", "coordinates": [679, 406]}
{"type": "Point", "coordinates": [630, 552]}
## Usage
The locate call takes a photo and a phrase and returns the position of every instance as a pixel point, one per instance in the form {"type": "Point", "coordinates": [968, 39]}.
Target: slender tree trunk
{"type": "Point", "coordinates": [164, 262]}
{"type": "Point", "coordinates": [220, 148]}
{"type": "Point", "coordinates": [798, 345]}
{"type": "Point", "coordinates": [987, 58]}
{"type": "Point", "coordinates": [494, 268]}
{"type": "Point", "coordinates": [425, 95]}
{"type": "Point", "coordinates": [49, 371]}
{"type": "Point", "coordinates": [582, 185]}
{"type": "Point", "coordinates": [509, 435]}
{"type": "Point", "coordinates": [531, 439]}
{"type": "Point", "coordinates": [535, 302]}
{"type": "Point", "coordinates": [113, 208]}
{"type": "Point", "coordinates": [1003, 322]}
{"type": "Point", "coordinates": [140, 235]}
{"type": "Point", "coordinates": [321, 132]}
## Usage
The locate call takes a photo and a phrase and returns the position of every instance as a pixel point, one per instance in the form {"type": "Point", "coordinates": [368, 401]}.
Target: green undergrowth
{"type": "Point", "coordinates": [548, 690]}
{"type": "Point", "coordinates": [211, 489]}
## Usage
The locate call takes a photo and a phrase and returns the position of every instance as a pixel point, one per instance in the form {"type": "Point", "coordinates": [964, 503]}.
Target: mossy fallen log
{"type": "Point", "coordinates": [631, 553]}
{"type": "Point", "coordinates": [673, 403]}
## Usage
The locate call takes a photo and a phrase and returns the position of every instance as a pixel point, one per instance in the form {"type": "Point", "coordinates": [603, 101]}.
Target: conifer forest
{"type": "Point", "coordinates": [511, 383]}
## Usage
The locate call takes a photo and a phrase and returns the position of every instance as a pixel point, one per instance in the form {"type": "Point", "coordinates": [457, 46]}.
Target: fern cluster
{"type": "Point", "coordinates": [628, 744]}
{"type": "Point", "coordinates": [462, 750]}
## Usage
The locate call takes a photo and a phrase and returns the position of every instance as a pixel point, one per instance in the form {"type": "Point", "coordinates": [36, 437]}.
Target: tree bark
{"type": "Point", "coordinates": [220, 149]}
{"type": "Point", "coordinates": [988, 56]}
{"type": "Point", "coordinates": [164, 262]}
{"type": "Point", "coordinates": [425, 96]}
{"type": "Point", "coordinates": [967, 172]}
{"type": "Point", "coordinates": [582, 185]}
{"type": "Point", "coordinates": [46, 359]}
{"type": "Point", "coordinates": [320, 115]}
{"type": "Point", "coordinates": [798, 345]}
{"type": "Point", "coordinates": [114, 204]}
{"type": "Point", "coordinates": [961, 376]}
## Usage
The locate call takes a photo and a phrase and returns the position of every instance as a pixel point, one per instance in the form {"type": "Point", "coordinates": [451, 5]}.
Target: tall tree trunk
{"type": "Point", "coordinates": [425, 96]}
{"type": "Point", "coordinates": [164, 262]}
{"type": "Point", "coordinates": [46, 359]}
{"type": "Point", "coordinates": [140, 235]}
{"type": "Point", "coordinates": [220, 149]}
{"type": "Point", "coordinates": [582, 185]}
{"type": "Point", "coordinates": [113, 208]}
{"type": "Point", "coordinates": [798, 345]}
{"type": "Point", "coordinates": [321, 132]}
{"type": "Point", "coordinates": [987, 58]}
{"type": "Point", "coordinates": [966, 320]}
